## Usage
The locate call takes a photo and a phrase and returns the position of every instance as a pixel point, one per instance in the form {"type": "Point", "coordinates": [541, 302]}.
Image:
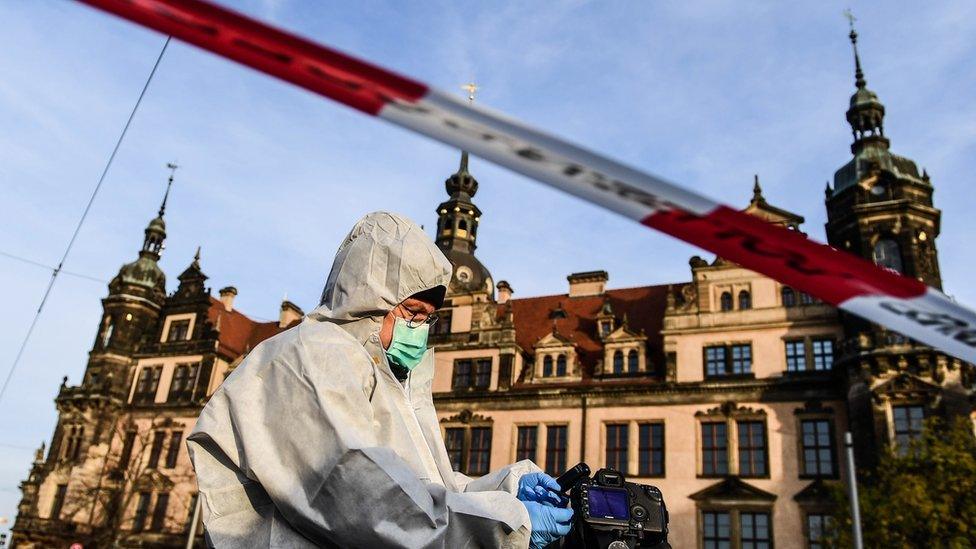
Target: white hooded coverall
{"type": "Point", "coordinates": [312, 441]}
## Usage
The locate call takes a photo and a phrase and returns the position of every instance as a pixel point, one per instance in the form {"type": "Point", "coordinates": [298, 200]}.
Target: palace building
{"type": "Point", "coordinates": [728, 390]}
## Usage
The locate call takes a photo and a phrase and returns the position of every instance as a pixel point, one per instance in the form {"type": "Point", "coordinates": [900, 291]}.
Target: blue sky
{"type": "Point", "coordinates": [704, 93]}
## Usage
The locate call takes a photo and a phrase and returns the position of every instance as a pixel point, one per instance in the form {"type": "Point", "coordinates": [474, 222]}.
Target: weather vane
{"type": "Point", "coordinates": [471, 88]}
{"type": "Point", "coordinates": [850, 17]}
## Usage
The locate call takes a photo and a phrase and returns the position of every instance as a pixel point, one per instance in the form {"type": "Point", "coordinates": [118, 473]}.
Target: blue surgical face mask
{"type": "Point", "coordinates": [408, 345]}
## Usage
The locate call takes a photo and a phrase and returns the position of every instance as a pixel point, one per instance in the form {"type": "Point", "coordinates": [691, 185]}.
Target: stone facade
{"type": "Point", "coordinates": [728, 390]}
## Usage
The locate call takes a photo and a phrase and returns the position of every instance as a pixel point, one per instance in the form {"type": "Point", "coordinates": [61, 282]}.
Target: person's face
{"type": "Point", "coordinates": [412, 310]}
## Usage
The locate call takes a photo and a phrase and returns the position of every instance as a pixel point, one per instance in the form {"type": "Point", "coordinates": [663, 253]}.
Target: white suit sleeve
{"type": "Point", "coordinates": [505, 479]}
{"type": "Point", "coordinates": [310, 442]}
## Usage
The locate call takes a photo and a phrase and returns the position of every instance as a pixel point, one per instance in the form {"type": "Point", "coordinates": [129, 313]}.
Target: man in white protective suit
{"type": "Point", "coordinates": [326, 434]}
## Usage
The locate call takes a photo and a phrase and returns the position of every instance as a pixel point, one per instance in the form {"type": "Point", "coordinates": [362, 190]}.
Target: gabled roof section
{"type": "Point", "coordinates": [733, 490]}
{"type": "Point", "coordinates": [623, 333]}
{"type": "Point", "coordinates": [644, 307]}
{"type": "Point", "coordinates": [239, 333]}
{"type": "Point", "coordinates": [766, 211]}
{"type": "Point", "coordinates": [554, 339]}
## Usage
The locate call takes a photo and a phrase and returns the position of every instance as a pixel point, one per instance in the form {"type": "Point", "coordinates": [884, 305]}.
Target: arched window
{"type": "Point", "coordinates": [462, 225]}
{"type": "Point", "coordinates": [618, 362]}
{"type": "Point", "coordinates": [745, 300]}
{"type": "Point", "coordinates": [789, 296]}
{"type": "Point", "coordinates": [726, 301]}
{"type": "Point", "coordinates": [547, 366]}
{"type": "Point", "coordinates": [632, 361]}
{"type": "Point", "coordinates": [888, 254]}
{"type": "Point", "coordinates": [561, 365]}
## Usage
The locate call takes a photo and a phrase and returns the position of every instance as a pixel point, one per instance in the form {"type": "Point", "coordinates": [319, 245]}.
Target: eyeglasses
{"type": "Point", "coordinates": [412, 318]}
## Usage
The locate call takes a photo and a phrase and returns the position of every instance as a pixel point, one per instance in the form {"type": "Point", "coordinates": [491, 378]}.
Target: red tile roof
{"type": "Point", "coordinates": [644, 307]}
{"type": "Point", "coordinates": [238, 333]}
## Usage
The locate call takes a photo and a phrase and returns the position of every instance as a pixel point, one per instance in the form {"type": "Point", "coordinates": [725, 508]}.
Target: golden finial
{"type": "Point", "coordinates": [471, 88]}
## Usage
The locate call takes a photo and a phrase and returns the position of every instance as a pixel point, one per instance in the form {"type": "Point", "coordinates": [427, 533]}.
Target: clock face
{"type": "Point", "coordinates": [877, 190]}
{"type": "Point", "coordinates": [463, 274]}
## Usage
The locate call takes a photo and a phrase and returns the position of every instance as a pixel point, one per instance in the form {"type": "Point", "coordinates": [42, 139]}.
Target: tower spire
{"type": "Point", "coordinates": [859, 80]}
{"type": "Point", "coordinates": [172, 171]}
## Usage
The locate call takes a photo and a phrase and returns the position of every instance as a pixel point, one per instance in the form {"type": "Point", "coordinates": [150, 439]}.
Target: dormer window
{"type": "Point", "coordinates": [606, 326]}
{"type": "Point", "coordinates": [725, 301]}
{"type": "Point", "coordinates": [745, 300]}
{"type": "Point", "coordinates": [561, 365]}
{"type": "Point", "coordinates": [547, 366]}
{"type": "Point", "coordinates": [179, 330]}
{"type": "Point", "coordinates": [788, 296]}
{"type": "Point", "coordinates": [633, 362]}
{"type": "Point", "coordinates": [618, 362]}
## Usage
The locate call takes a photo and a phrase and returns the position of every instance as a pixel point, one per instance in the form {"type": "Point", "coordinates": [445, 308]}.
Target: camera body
{"type": "Point", "coordinates": [612, 513]}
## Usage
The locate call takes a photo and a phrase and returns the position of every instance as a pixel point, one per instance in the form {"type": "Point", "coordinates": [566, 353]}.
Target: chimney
{"type": "Point", "coordinates": [504, 291]}
{"type": "Point", "coordinates": [588, 283]}
{"type": "Point", "coordinates": [227, 296]}
{"type": "Point", "coordinates": [289, 313]}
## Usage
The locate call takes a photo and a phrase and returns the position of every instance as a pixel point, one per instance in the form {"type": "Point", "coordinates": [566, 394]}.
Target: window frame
{"type": "Point", "coordinates": [817, 448]}
{"type": "Point", "coordinates": [715, 449]}
{"type": "Point", "coordinates": [912, 434]}
{"type": "Point", "coordinates": [620, 447]}
{"type": "Point", "coordinates": [762, 451]}
{"type": "Point", "coordinates": [734, 513]}
{"type": "Point", "coordinates": [527, 451]}
{"type": "Point", "coordinates": [728, 360]}
{"type": "Point", "coordinates": [466, 430]}
{"type": "Point", "coordinates": [556, 457]}
{"type": "Point", "coordinates": [651, 450]}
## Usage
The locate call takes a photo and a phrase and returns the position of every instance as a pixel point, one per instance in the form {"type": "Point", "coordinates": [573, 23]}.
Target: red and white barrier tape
{"type": "Point", "coordinates": [851, 283]}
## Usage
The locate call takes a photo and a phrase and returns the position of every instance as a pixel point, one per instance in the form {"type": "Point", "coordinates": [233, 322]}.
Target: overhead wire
{"type": "Point", "coordinates": [49, 267]}
{"type": "Point", "coordinates": [84, 215]}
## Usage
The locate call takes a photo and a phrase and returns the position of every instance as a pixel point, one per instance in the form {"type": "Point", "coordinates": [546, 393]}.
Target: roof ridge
{"type": "Point", "coordinates": [566, 295]}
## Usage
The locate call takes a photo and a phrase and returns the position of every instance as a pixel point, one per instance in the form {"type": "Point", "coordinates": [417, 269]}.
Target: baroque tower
{"type": "Point", "coordinates": [880, 208]}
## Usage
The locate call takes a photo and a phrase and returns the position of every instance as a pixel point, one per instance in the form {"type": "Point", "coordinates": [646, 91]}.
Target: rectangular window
{"type": "Point", "coordinates": [157, 449]}
{"type": "Point", "coordinates": [142, 511]}
{"type": "Point", "coordinates": [817, 527]}
{"type": "Point", "coordinates": [823, 354]}
{"type": "Point", "coordinates": [58, 502]}
{"type": "Point", "coordinates": [908, 425]}
{"type": "Point", "coordinates": [716, 530]}
{"type": "Point", "coordinates": [173, 451]}
{"type": "Point", "coordinates": [730, 360]}
{"type": "Point", "coordinates": [147, 384]}
{"type": "Point", "coordinates": [525, 444]}
{"type": "Point", "coordinates": [462, 374]}
{"type": "Point", "coordinates": [159, 513]}
{"type": "Point", "coordinates": [818, 448]}
{"type": "Point", "coordinates": [650, 450]}
{"type": "Point", "coordinates": [184, 377]}
{"type": "Point", "coordinates": [556, 444]}
{"type": "Point", "coordinates": [741, 359]}
{"type": "Point", "coordinates": [480, 455]}
{"type": "Point", "coordinates": [178, 330]}
{"type": "Point", "coordinates": [482, 373]}
{"type": "Point", "coordinates": [617, 447]}
{"type": "Point", "coordinates": [715, 449]}
{"type": "Point", "coordinates": [443, 324]}
{"type": "Point", "coordinates": [752, 448]}
{"type": "Point", "coordinates": [754, 531]}
{"type": "Point", "coordinates": [714, 361]}
{"type": "Point", "coordinates": [796, 356]}
{"type": "Point", "coordinates": [454, 442]}
{"type": "Point", "coordinates": [127, 443]}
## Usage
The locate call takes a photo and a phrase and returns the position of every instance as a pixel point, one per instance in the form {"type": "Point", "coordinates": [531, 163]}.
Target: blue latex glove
{"type": "Point", "coordinates": [548, 523]}
{"type": "Point", "coordinates": [540, 488]}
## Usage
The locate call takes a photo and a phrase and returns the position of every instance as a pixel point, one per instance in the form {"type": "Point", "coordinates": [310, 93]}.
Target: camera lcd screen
{"type": "Point", "coordinates": [611, 503]}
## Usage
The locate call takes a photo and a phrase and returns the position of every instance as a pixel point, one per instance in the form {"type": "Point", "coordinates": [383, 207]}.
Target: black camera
{"type": "Point", "coordinates": [611, 513]}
